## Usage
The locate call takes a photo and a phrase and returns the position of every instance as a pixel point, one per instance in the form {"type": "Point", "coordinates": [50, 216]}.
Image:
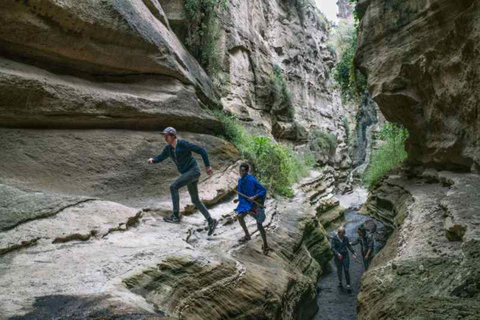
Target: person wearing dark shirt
{"type": "Point", "coordinates": [340, 246]}
{"type": "Point", "coordinates": [366, 242]}
{"type": "Point", "coordinates": [249, 192]}
{"type": "Point", "coordinates": [180, 151]}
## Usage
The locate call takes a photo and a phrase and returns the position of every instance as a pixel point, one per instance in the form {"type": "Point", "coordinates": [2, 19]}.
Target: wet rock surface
{"type": "Point", "coordinates": [334, 302]}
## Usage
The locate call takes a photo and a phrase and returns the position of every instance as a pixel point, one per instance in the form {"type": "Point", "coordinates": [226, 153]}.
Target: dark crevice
{"type": "Point", "coordinates": [16, 247]}
{"type": "Point", "coordinates": [48, 214]}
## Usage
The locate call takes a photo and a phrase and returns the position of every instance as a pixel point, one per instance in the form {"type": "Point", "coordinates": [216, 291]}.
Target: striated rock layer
{"type": "Point", "coordinates": [421, 58]}
{"type": "Point", "coordinates": [98, 65]}
{"type": "Point", "coordinates": [260, 35]}
{"type": "Point", "coordinates": [429, 267]}
{"type": "Point", "coordinates": [102, 259]}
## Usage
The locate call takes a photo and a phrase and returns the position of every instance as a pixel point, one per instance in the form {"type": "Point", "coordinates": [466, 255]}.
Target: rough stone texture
{"type": "Point", "coordinates": [117, 65]}
{"type": "Point", "coordinates": [108, 164]}
{"type": "Point", "coordinates": [388, 203]}
{"type": "Point", "coordinates": [422, 273]}
{"type": "Point", "coordinates": [345, 9]}
{"type": "Point", "coordinates": [98, 64]}
{"type": "Point", "coordinates": [17, 206]}
{"type": "Point", "coordinates": [133, 263]}
{"type": "Point", "coordinates": [421, 58]}
{"type": "Point", "coordinates": [258, 34]}
{"type": "Point", "coordinates": [368, 121]}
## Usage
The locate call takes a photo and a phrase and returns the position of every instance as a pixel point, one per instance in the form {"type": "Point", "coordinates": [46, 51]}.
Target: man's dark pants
{"type": "Point", "coordinates": [189, 179]}
{"type": "Point", "coordinates": [345, 265]}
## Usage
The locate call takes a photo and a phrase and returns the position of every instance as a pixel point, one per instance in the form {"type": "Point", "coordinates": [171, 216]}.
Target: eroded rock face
{"type": "Point", "coordinates": [345, 9]}
{"type": "Point", "coordinates": [424, 271]}
{"type": "Point", "coordinates": [98, 64]}
{"type": "Point", "coordinates": [107, 164]}
{"type": "Point", "coordinates": [421, 58]}
{"type": "Point", "coordinates": [128, 263]}
{"type": "Point", "coordinates": [258, 35]}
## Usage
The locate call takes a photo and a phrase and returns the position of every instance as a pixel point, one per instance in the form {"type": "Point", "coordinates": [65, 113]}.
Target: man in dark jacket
{"type": "Point", "coordinates": [366, 242]}
{"type": "Point", "coordinates": [180, 151]}
{"type": "Point", "coordinates": [250, 192]}
{"type": "Point", "coordinates": [340, 246]}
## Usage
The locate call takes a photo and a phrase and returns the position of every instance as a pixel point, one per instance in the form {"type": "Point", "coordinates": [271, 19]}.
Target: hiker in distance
{"type": "Point", "coordinates": [340, 246]}
{"type": "Point", "coordinates": [366, 246]}
{"type": "Point", "coordinates": [180, 151]}
{"type": "Point", "coordinates": [251, 197]}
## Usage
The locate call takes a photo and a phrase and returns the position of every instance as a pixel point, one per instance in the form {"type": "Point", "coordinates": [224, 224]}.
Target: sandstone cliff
{"type": "Point", "coordinates": [86, 85]}
{"type": "Point", "coordinates": [258, 36]}
{"type": "Point", "coordinates": [428, 268]}
{"type": "Point", "coordinates": [128, 262]}
{"type": "Point", "coordinates": [422, 66]}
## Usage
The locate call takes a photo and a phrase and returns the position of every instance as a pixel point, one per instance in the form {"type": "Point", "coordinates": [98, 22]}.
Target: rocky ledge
{"type": "Point", "coordinates": [84, 257]}
{"type": "Point", "coordinates": [429, 267]}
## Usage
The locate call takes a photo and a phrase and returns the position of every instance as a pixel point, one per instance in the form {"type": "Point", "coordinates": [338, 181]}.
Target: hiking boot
{"type": "Point", "coordinates": [340, 285]}
{"type": "Point", "coordinates": [172, 219]}
{"type": "Point", "coordinates": [349, 290]}
{"type": "Point", "coordinates": [211, 226]}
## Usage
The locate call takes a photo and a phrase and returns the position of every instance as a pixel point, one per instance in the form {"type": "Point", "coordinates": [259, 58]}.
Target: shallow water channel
{"type": "Point", "coordinates": [336, 303]}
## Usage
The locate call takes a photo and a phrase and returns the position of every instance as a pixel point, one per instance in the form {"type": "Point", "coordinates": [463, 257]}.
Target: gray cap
{"type": "Point", "coordinates": [170, 130]}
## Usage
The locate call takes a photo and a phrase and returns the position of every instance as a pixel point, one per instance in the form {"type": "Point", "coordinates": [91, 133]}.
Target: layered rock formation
{"type": "Point", "coordinates": [98, 64]}
{"type": "Point", "coordinates": [345, 9]}
{"type": "Point", "coordinates": [84, 86]}
{"type": "Point", "coordinates": [428, 268]}
{"type": "Point", "coordinates": [422, 67]}
{"type": "Point", "coordinates": [260, 35]}
{"type": "Point", "coordinates": [128, 263]}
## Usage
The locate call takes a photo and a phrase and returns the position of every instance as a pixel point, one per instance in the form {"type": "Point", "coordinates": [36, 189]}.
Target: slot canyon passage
{"type": "Point", "coordinates": [372, 120]}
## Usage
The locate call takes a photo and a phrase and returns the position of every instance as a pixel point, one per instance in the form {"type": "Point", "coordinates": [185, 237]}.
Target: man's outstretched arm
{"type": "Point", "coordinates": [162, 156]}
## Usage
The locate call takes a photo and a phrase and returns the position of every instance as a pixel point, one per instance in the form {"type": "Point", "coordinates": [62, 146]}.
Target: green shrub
{"type": "Point", "coordinates": [351, 81]}
{"type": "Point", "coordinates": [276, 166]}
{"type": "Point", "coordinates": [279, 91]}
{"type": "Point", "coordinates": [347, 128]}
{"type": "Point", "coordinates": [389, 156]}
{"type": "Point", "coordinates": [321, 141]}
{"type": "Point", "coordinates": [203, 32]}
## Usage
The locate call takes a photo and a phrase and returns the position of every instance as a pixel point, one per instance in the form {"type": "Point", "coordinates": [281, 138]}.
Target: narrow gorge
{"type": "Point", "coordinates": [88, 86]}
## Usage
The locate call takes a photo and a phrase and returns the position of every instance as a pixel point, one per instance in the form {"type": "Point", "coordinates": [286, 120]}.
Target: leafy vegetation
{"type": "Point", "coordinates": [322, 142]}
{"type": "Point", "coordinates": [347, 128]}
{"type": "Point", "coordinates": [276, 166]}
{"type": "Point", "coordinates": [203, 32]}
{"type": "Point", "coordinates": [351, 81]}
{"type": "Point", "coordinates": [279, 91]}
{"type": "Point", "coordinates": [389, 156]}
